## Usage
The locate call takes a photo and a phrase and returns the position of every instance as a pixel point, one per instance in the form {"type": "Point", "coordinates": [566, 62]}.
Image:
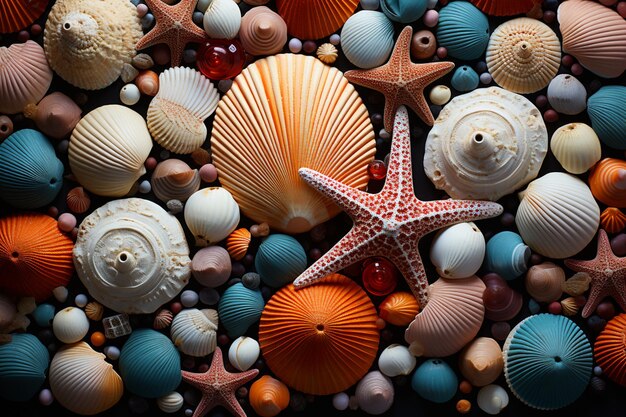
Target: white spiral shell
{"type": "Point", "coordinates": [243, 353]}
{"type": "Point", "coordinates": [193, 331]}
{"type": "Point", "coordinates": [211, 214]}
{"type": "Point", "coordinates": [374, 393]}
{"type": "Point", "coordinates": [458, 251]}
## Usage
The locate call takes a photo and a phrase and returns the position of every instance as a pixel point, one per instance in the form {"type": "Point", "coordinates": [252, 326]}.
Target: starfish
{"type": "Point", "coordinates": [218, 386]}
{"type": "Point", "coordinates": [607, 272]}
{"type": "Point", "coordinates": [391, 222]}
{"type": "Point", "coordinates": [173, 27]}
{"type": "Point", "coordinates": [401, 81]}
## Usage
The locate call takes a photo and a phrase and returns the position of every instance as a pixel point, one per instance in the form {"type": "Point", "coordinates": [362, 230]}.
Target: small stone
{"type": "Point", "coordinates": [334, 39]}
{"type": "Point", "coordinates": [260, 230]}
{"type": "Point", "coordinates": [208, 173]}
{"type": "Point", "coordinates": [533, 306]}
{"type": "Point", "coordinates": [112, 352]}
{"type": "Point", "coordinates": [81, 300]}
{"type": "Point", "coordinates": [596, 323]}
{"type": "Point", "coordinates": [116, 326]}
{"type": "Point", "coordinates": [500, 330]}
{"type": "Point", "coordinates": [485, 78]}
{"type": "Point", "coordinates": [597, 371]}
{"type": "Point", "coordinates": [224, 85]}
{"type": "Point", "coordinates": [251, 280]}
{"type": "Point", "coordinates": [60, 293]}
{"type": "Point", "coordinates": [295, 45]}
{"type": "Point", "coordinates": [197, 18]}
{"type": "Point", "coordinates": [26, 305]}
{"type": "Point", "coordinates": [209, 296]}
{"type": "Point", "coordinates": [129, 73]}
{"type": "Point", "coordinates": [175, 206]}
{"type": "Point", "coordinates": [341, 401]}
{"type": "Point", "coordinates": [189, 56]}
{"type": "Point", "coordinates": [309, 46]}
{"type": "Point", "coordinates": [66, 222]}
{"type": "Point", "coordinates": [555, 307]}
{"type": "Point", "coordinates": [142, 10]}
{"type": "Point", "coordinates": [618, 244]}
{"type": "Point", "coordinates": [145, 187]}
{"type": "Point", "coordinates": [164, 154]}
{"type": "Point", "coordinates": [147, 21]}
{"type": "Point", "coordinates": [143, 61]}
{"type": "Point", "coordinates": [45, 397]}
{"type": "Point", "coordinates": [63, 146]}
{"type": "Point", "coordinates": [201, 156]}
{"type": "Point", "coordinates": [189, 298]}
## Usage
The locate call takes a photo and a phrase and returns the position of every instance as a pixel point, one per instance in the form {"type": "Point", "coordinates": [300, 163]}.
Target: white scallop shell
{"type": "Point", "coordinates": [176, 114]}
{"type": "Point", "coordinates": [222, 19]}
{"type": "Point", "coordinates": [396, 360]}
{"type": "Point", "coordinates": [374, 393]}
{"type": "Point", "coordinates": [193, 331]}
{"type": "Point", "coordinates": [367, 39]}
{"type": "Point", "coordinates": [492, 399]}
{"type": "Point", "coordinates": [70, 325]}
{"type": "Point", "coordinates": [458, 251]}
{"type": "Point", "coordinates": [567, 95]}
{"type": "Point", "coordinates": [576, 146]}
{"type": "Point", "coordinates": [211, 214]}
{"type": "Point", "coordinates": [170, 403]}
{"type": "Point", "coordinates": [243, 353]}
{"type": "Point", "coordinates": [557, 216]}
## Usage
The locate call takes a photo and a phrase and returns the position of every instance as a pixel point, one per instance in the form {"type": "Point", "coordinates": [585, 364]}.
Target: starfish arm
{"type": "Point", "coordinates": [348, 198]}
{"type": "Point", "coordinates": [402, 47]}
{"type": "Point", "coordinates": [203, 408]}
{"type": "Point", "coordinates": [596, 295]}
{"type": "Point", "coordinates": [442, 213]}
{"type": "Point", "coordinates": [412, 269]}
{"type": "Point", "coordinates": [400, 173]}
{"type": "Point", "coordinates": [580, 266]}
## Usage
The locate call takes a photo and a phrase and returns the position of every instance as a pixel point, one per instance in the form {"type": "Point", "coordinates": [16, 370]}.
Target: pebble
{"type": "Point", "coordinates": [161, 54]}
{"type": "Point", "coordinates": [597, 371]}
{"type": "Point", "coordinates": [465, 387]}
{"type": "Point", "coordinates": [189, 298]}
{"type": "Point", "coordinates": [606, 310]}
{"type": "Point", "coordinates": [295, 45]}
{"type": "Point", "coordinates": [164, 154]}
{"type": "Point", "coordinates": [485, 78]}
{"type": "Point", "coordinates": [189, 56]}
{"type": "Point", "coordinates": [112, 352]}
{"type": "Point", "coordinates": [36, 30]}
{"type": "Point", "coordinates": [551, 116]}
{"type": "Point", "coordinates": [60, 293]}
{"type": "Point", "coordinates": [442, 52]}
{"type": "Point", "coordinates": [145, 187]}
{"type": "Point", "coordinates": [555, 307]}
{"type": "Point", "coordinates": [147, 21]}
{"type": "Point", "coordinates": [130, 94]}
{"type": "Point", "coordinates": [621, 9]}
{"type": "Point", "coordinates": [175, 206]}
{"type": "Point", "coordinates": [45, 397]}
{"type": "Point", "coordinates": [142, 10]}
{"type": "Point", "coordinates": [618, 244]}
{"type": "Point", "coordinates": [567, 60]}
{"type": "Point", "coordinates": [500, 330]}
{"type": "Point", "coordinates": [577, 69]}
{"type": "Point", "coordinates": [533, 306]}
{"type": "Point", "coordinates": [176, 307]}
{"type": "Point", "coordinates": [309, 47]}
{"type": "Point", "coordinates": [237, 270]}
{"type": "Point", "coordinates": [334, 39]}
{"type": "Point", "coordinates": [341, 401]}
{"type": "Point", "coordinates": [197, 18]}
{"type": "Point", "coordinates": [208, 173]}
{"type": "Point", "coordinates": [67, 222]}
{"type": "Point", "coordinates": [143, 61]}
{"type": "Point", "coordinates": [150, 163]}
{"type": "Point", "coordinates": [209, 296]}
{"type": "Point", "coordinates": [251, 280]}
{"type": "Point", "coordinates": [549, 16]}
{"type": "Point", "coordinates": [23, 36]}
{"type": "Point", "coordinates": [596, 323]}
{"type": "Point", "coordinates": [431, 18]}
{"type": "Point", "coordinates": [81, 300]}
{"type": "Point", "coordinates": [63, 146]}
{"type": "Point", "coordinates": [224, 86]}
{"type": "Point", "coordinates": [129, 73]}
{"type": "Point", "coordinates": [383, 134]}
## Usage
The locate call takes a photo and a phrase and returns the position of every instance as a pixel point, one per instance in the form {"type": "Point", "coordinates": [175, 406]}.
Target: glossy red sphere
{"type": "Point", "coordinates": [377, 170]}
{"type": "Point", "coordinates": [379, 276]}
{"type": "Point", "coordinates": [220, 59]}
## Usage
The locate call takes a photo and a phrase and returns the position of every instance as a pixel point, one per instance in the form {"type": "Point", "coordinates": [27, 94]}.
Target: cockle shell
{"type": "Point", "coordinates": [243, 353]}
{"type": "Point", "coordinates": [435, 381]}
{"type": "Point", "coordinates": [544, 282]}
{"type": "Point", "coordinates": [70, 325]}
{"type": "Point", "coordinates": [262, 31]}
{"type": "Point", "coordinates": [577, 285]}
{"type": "Point", "coordinates": [613, 220]}
{"type": "Point", "coordinates": [77, 200]}
{"type": "Point", "coordinates": [162, 319]}
{"type": "Point", "coordinates": [464, 79]}
{"type": "Point", "coordinates": [327, 53]}
{"type": "Point", "coordinates": [485, 144]}
{"type": "Point", "coordinates": [403, 11]}
{"type": "Point", "coordinates": [177, 113]}
{"type": "Point", "coordinates": [239, 308]}
{"type": "Point", "coordinates": [211, 266]}
{"type": "Point", "coordinates": [87, 43]}
{"type": "Point", "coordinates": [492, 399]}
{"type": "Point", "coordinates": [399, 308]}
{"type": "Point", "coordinates": [458, 251]}
{"type": "Point", "coordinates": [211, 214]}
{"type": "Point", "coordinates": [302, 113]}
{"type": "Point", "coordinates": [238, 242]}
{"type": "Point", "coordinates": [607, 180]}
{"type": "Point", "coordinates": [170, 403]}
{"type": "Point", "coordinates": [279, 260]}
{"type": "Point", "coordinates": [132, 256]}
{"type": "Point", "coordinates": [173, 179]}
{"type": "Point", "coordinates": [193, 331]}
{"type": "Point", "coordinates": [606, 110]}
{"type": "Point", "coordinates": [23, 366]}
{"type": "Point", "coordinates": [569, 306]}
{"type": "Point", "coordinates": [576, 146]}
{"type": "Point", "coordinates": [268, 396]}
{"type": "Point", "coordinates": [463, 30]}
{"type": "Point", "coordinates": [396, 360]}
{"type": "Point", "coordinates": [56, 115]}
{"type": "Point", "coordinates": [367, 39]}
{"type": "Point", "coordinates": [609, 349]}
{"type": "Point", "coordinates": [222, 19]}
{"type": "Point", "coordinates": [314, 19]}
{"type": "Point", "coordinates": [481, 361]}
{"type": "Point", "coordinates": [94, 310]}
{"type": "Point", "coordinates": [567, 95]}
{"type": "Point", "coordinates": [374, 393]}
{"type": "Point", "coordinates": [18, 14]}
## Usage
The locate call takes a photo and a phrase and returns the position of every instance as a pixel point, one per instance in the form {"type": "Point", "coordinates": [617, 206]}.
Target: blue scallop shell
{"type": "Point", "coordinates": [547, 361]}
{"type": "Point", "coordinates": [507, 255]}
{"type": "Point", "coordinates": [607, 110]}
{"type": "Point", "coordinates": [435, 381]}
{"type": "Point", "coordinates": [403, 11]}
{"type": "Point", "coordinates": [31, 175]}
{"type": "Point", "coordinates": [463, 30]}
{"type": "Point", "coordinates": [240, 308]}
{"type": "Point", "coordinates": [367, 39]}
{"type": "Point", "coordinates": [279, 260]}
{"type": "Point", "coordinates": [23, 366]}
{"type": "Point", "coordinates": [464, 79]}
{"type": "Point", "coordinates": [149, 364]}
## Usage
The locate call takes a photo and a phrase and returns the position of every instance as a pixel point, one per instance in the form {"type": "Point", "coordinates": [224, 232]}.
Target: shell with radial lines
{"type": "Point", "coordinates": [194, 332]}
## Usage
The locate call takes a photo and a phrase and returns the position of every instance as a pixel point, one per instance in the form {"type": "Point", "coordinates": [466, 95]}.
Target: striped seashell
{"type": "Point", "coordinates": [193, 331]}
{"type": "Point", "coordinates": [56, 115]}
{"type": "Point", "coordinates": [374, 393]}
{"type": "Point", "coordinates": [163, 319]}
{"type": "Point", "coordinates": [170, 403]}
{"type": "Point", "coordinates": [569, 306]}
{"type": "Point", "coordinates": [23, 366]}
{"type": "Point", "coordinates": [613, 220]}
{"type": "Point", "coordinates": [268, 396]}
{"type": "Point", "coordinates": [367, 39]}
{"type": "Point", "coordinates": [209, 227]}
{"type": "Point", "coordinates": [399, 308]}
{"type": "Point", "coordinates": [262, 31]}
{"type": "Point", "coordinates": [463, 30]}
{"type": "Point", "coordinates": [18, 14]}
{"type": "Point", "coordinates": [480, 362]}
{"type": "Point", "coordinates": [173, 179]}
{"type": "Point", "coordinates": [70, 325]}
{"type": "Point", "coordinates": [238, 242]}
{"type": "Point", "coordinates": [222, 19]}
{"type": "Point", "coordinates": [78, 200]}
{"type": "Point", "coordinates": [94, 310]}
{"type": "Point", "coordinates": [211, 266]}
{"type": "Point", "coordinates": [607, 181]}
{"type": "Point", "coordinates": [576, 146]}
{"type": "Point", "coordinates": [313, 19]}
{"type": "Point", "coordinates": [505, 8]}
{"type": "Point", "coordinates": [609, 349]}
{"type": "Point", "coordinates": [606, 110]}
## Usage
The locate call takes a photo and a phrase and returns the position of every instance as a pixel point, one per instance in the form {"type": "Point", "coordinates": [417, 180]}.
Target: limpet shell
{"type": "Point", "coordinates": [262, 32]}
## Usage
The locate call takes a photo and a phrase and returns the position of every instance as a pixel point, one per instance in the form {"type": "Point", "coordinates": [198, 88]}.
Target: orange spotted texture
{"type": "Point", "coordinates": [315, 19]}
{"type": "Point", "coordinates": [610, 349]}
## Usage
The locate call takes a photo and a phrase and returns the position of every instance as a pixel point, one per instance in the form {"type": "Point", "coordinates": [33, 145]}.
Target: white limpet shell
{"type": "Point", "coordinates": [132, 256]}
{"type": "Point", "coordinates": [374, 393]}
{"type": "Point", "coordinates": [492, 399]}
{"type": "Point", "coordinates": [396, 360]}
{"type": "Point", "coordinates": [458, 251]}
{"type": "Point", "coordinates": [193, 331]}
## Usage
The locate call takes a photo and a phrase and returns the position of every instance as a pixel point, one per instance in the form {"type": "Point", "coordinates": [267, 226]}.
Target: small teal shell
{"type": "Point", "coordinates": [367, 39]}
{"type": "Point", "coordinates": [279, 260]}
{"type": "Point", "coordinates": [43, 315]}
{"type": "Point", "coordinates": [403, 11]}
{"type": "Point", "coordinates": [547, 361]}
{"type": "Point", "coordinates": [463, 30]}
{"type": "Point", "coordinates": [23, 366]}
{"type": "Point", "coordinates": [240, 308]}
{"type": "Point", "coordinates": [606, 109]}
{"type": "Point", "coordinates": [149, 364]}
{"type": "Point", "coordinates": [465, 79]}
{"type": "Point", "coordinates": [507, 255]}
{"type": "Point", "coordinates": [31, 175]}
{"type": "Point", "coordinates": [435, 381]}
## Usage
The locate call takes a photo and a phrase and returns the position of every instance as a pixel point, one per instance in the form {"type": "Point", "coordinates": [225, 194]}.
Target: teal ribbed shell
{"type": "Point", "coordinates": [240, 308]}
{"type": "Point", "coordinates": [403, 11]}
{"type": "Point", "coordinates": [435, 381]}
{"type": "Point", "coordinates": [464, 79]}
{"type": "Point", "coordinates": [23, 366]}
{"type": "Point", "coordinates": [607, 111]}
{"type": "Point", "coordinates": [507, 255]}
{"type": "Point", "coordinates": [463, 30]}
{"type": "Point", "coordinates": [279, 260]}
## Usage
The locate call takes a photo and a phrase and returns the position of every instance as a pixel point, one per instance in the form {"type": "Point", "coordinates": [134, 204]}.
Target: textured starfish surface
{"type": "Point", "coordinates": [607, 272]}
{"type": "Point", "coordinates": [391, 222]}
{"type": "Point", "coordinates": [218, 386]}
{"type": "Point", "coordinates": [401, 81]}
{"type": "Point", "coordinates": [174, 27]}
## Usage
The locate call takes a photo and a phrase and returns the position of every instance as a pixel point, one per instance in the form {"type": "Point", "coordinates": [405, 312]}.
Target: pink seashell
{"type": "Point", "coordinates": [56, 115]}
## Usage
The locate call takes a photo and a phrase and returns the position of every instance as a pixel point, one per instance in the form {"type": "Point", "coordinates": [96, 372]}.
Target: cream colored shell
{"type": "Point", "coordinates": [193, 331]}
{"type": "Point", "coordinates": [481, 361]}
{"type": "Point", "coordinates": [70, 325]}
{"type": "Point", "coordinates": [485, 144]}
{"type": "Point", "coordinates": [576, 146]}
{"type": "Point", "coordinates": [132, 256]}
{"type": "Point", "coordinates": [222, 19]}
{"type": "Point", "coordinates": [211, 215]}
{"type": "Point", "coordinates": [458, 251]}
{"type": "Point", "coordinates": [396, 360]}
{"type": "Point", "coordinates": [170, 403]}
{"type": "Point", "coordinates": [243, 353]}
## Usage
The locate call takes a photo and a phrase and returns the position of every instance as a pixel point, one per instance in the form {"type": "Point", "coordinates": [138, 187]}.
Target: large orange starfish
{"type": "Point", "coordinates": [607, 272]}
{"type": "Point", "coordinates": [401, 81]}
{"type": "Point", "coordinates": [174, 27]}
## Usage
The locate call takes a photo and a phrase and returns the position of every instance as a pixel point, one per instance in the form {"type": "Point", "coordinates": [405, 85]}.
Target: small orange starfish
{"type": "Point", "coordinates": [401, 81]}
{"type": "Point", "coordinates": [174, 27]}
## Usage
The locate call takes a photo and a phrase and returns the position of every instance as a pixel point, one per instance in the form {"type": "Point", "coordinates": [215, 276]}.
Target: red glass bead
{"type": "Point", "coordinates": [554, 307]}
{"type": "Point", "coordinates": [551, 116]}
{"type": "Point", "coordinates": [379, 276]}
{"type": "Point", "coordinates": [219, 59]}
{"type": "Point", "coordinates": [377, 170]}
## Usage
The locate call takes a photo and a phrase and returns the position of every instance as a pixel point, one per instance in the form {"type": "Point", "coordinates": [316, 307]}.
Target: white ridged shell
{"type": "Point", "coordinates": [396, 360]}
{"type": "Point", "coordinates": [492, 399]}
{"type": "Point", "coordinates": [193, 331]}
{"type": "Point", "coordinates": [222, 19]}
{"type": "Point", "coordinates": [243, 353]}
{"type": "Point", "coordinates": [374, 393]}
{"type": "Point", "coordinates": [211, 215]}
{"type": "Point", "coordinates": [170, 403]}
{"type": "Point", "coordinates": [458, 251]}
{"type": "Point", "coordinates": [567, 95]}
{"type": "Point", "coordinates": [70, 325]}
{"type": "Point", "coordinates": [367, 39]}
{"type": "Point", "coordinates": [576, 146]}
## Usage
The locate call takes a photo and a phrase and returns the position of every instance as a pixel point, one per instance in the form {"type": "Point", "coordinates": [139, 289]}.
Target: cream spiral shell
{"type": "Point", "coordinates": [173, 179]}
{"type": "Point", "coordinates": [243, 353]}
{"type": "Point", "coordinates": [374, 393]}
{"type": "Point", "coordinates": [222, 19]}
{"type": "Point", "coordinates": [170, 403]}
{"type": "Point", "coordinates": [211, 214]}
{"type": "Point", "coordinates": [458, 251]}
{"type": "Point", "coordinates": [193, 331]}
{"type": "Point", "coordinates": [262, 31]}
{"type": "Point", "coordinates": [576, 146]}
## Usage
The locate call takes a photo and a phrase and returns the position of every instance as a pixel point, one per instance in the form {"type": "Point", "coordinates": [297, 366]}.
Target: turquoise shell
{"type": "Point", "coordinates": [43, 315]}
{"type": "Point", "coordinates": [547, 361]}
{"type": "Point", "coordinates": [367, 39]}
{"type": "Point", "coordinates": [607, 110]}
{"type": "Point", "coordinates": [279, 260]}
{"type": "Point", "coordinates": [240, 308]}
{"type": "Point", "coordinates": [31, 175]}
{"type": "Point", "coordinates": [149, 364]}
{"type": "Point", "coordinates": [23, 366]}
{"type": "Point", "coordinates": [507, 255]}
{"type": "Point", "coordinates": [464, 79]}
{"type": "Point", "coordinates": [463, 30]}
{"type": "Point", "coordinates": [435, 381]}
{"type": "Point", "coordinates": [403, 11]}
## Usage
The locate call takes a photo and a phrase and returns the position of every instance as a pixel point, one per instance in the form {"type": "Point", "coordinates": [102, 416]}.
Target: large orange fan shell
{"type": "Point", "coordinates": [607, 181]}
{"type": "Point", "coordinates": [505, 7]}
{"type": "Point", "coordinates": [314, 19]}
{"type": "Point", "coordinates": [35, 257]}
{"type": "Point", "coordinates": [321, 339]}
{"type": "Point", "coordinates": [17, 14]}
{"type": "Point", "coordinates": [610, 349]}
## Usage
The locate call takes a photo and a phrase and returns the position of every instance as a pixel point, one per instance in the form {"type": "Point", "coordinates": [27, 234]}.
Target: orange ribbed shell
{"type": "Point", "coordinates": [18, 14]}
{"type": "Point", "coordinates": [35, 257]}
{"type": "Point", "coordinates": [505, 7]}
{"type": "Point", "coordinates": [314, 19]}
{"type": "Point", "coordinates": [613, 220]}
{"type": "Point", "coordinates": [399, 308]}
{"type": "Point", "coordinates": [610, 349]}
{"type": "Point", "coordinates": [607, 181]}
{"type": "Point", "coordinates": [237, 243]}
{"type": "Point", "coordinates": [320, 339]}
{"type": "Point", "coordinates": [268, 396]}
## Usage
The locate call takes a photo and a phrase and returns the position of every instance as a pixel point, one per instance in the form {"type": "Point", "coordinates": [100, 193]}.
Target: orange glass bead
{"type": "Point", "coordinates": [97, 339]}
{"type": "Point", "coordinates": [463, 406]}
{"type": "Point", "coordinates": [465, 387]}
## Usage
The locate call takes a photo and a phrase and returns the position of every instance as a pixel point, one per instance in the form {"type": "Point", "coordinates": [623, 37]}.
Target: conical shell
{"type": "Point", "coordinates": [238, 242]}
{"type": "Point", "coordinates": [193, 331]}
{"type": "Point", "coordinates": [262, 31]}
{"type": "Point", "coordinates": [222, 19]}
{"type": "Point", "coordinates": [607, 180]}
{"type": "Point", "coordinates": [23, 367]}
{"type": "Point", "coordinates": [609, 349]}
{"type": "Point", "coordinates": [320, 339]}
{"type": "Point", "coordinates": [613, 220]}
{"type": "Point", "coordinates": [463, 30]}
{"type": "Point", "coordinates": [576, 146]}
{"type": "Point", "coordinates": [211, 214]}
{"type": "Point", "coordinates": [211, 266]}
{"type": "Point", "coordinates": [56, 115]}
{"type": "Point", "coordinates": [506, 7]}
{"type": "Point", "coordinates": [315, 19]}
{"type": "Point", "coordinates": [544, 282]}
{"type": "Point", "coordinates": [577, 285]}
{"type": "Point", "coordinates": [82, 381]}
{"type": "Point", "coordinates": [367, 39]}
{"type": "Point", "coordinates": [18, 14]}
{"type": "Point", "coordinates": [396, 360]}
{"type": "Point", "coordinates": [108, 148]}
{"type": "Point", "coordinates": [240, 308]}
{"type": "Point", "coordinates": [176, 114]}
{"type": "Point", "coordinates": [458, 251]}
{"type": "Point", "coordinates": [567, 95]}
{"type": "Point", "coordinates": [399, 308]}
{"type": "Point", "coordinates": [268, 396]}
{"type": "Point", "coordinates": [243, 353]}
{"type": "Point", "coordinates": [374, 393]}
{"type": "Point", "coordinates": [606, 109]}
{"type": "Point", "coordinates": [173, 179]}
{"type": "Point", "coordinates": [77, 200]}
{"type": "Point", "coordinates": [283, 113]}
{"type": "Point", "coordinates": [523, 55]}
{"type": "Point", "coordinates": [481, 361]}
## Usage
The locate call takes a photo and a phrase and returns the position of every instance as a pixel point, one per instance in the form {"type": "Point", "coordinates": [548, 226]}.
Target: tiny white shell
{"type": "Point", "coordinates": [222, 19]}
{"type": "Point", "coordinates": [211, 214]}
{"type": "Point", "coordinates": [567, 95]}
{"type": "Point", "coordinates": [70, 325]}
{"type": "Point", "coordinates": [440, 95]}
{"type": "Point", "coordinates": [396, 360]}
{"type": "Point", "coordinates": [130, 94]}
{"type": "Point", "coordinates": [193, 331]}
{"type": "Point", "coordinates": [170, 403]}
{"type": "Point", "coordinates": [458, 251]}
{"type": "Point", "coordinates": [576, 146]}
{"type": "Point", "coordinates": [374, 393]}
{"type": "Point", "coordinates": [492, 399]}
{"type": "Point", "coordinates": [243, 353]}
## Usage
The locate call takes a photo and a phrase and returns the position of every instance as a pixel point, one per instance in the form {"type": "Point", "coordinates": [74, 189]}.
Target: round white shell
{"type": "Point", "coordinates": [222, 19]}
{"type": "Point", "coordinates": [70, 325]}
{"type": "Point", "coordinates": [396, 360]}
{"type": "Point", "coordinates": [211, 214]}
{"type": "Point", "coordinates": [458, 251]}
{"type": "Point", "coordinates": [576, 146]}
{"type": "Point", "coordinates": [567, 95]}
{"type": "Point", "coordinates": [193, 331]}
{"type": "Point", "coordinates": [243, 353]}
{"type": "Point", "coordinates": [170, 403]}
{"type": "Point", "coordinates": [492, 399]}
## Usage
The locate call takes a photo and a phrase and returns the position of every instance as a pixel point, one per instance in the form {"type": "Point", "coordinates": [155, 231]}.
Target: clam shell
{"type": "Point", "coordinates": [222, 19]}
{"type": "Point", "coordinates": [262, 31]}
{"type": "Point", "coordinates": [613, 220]}
{"type": "Point", "coordinates": [507, 255]}
{"type": "Point", "coordinates": [173, 179]}
{"type": "Point", "coordinates": [56, 115]}
{"type": "Point", "coordinates": [577, 285]}
{"type": "Point", "coordinates": [569, 306]}
{"type": "Point", "coordinates": [314, 19]}
{"type": "Point", "coordinates": [70, 325]}
{"type": "Point", "coordinates": [163, 319]}
{"type": "Point", "coordinates": [458, 251]}
{"type": "Point", "coordinates": [396, 360]}
{"type": "Point", "coordinates": [193, 331]}
{"type": "Point", "coordinates": [576, 146]}
{"type": "Point", "coordinates": [567, 95]}
{"type": "Point", "coordinates": [505, 8]}
{"type": "Point", "coordinates": [94, 310]}
{"type": "Point", "coordinates": [240, 308]}
{"type": "Point", "coordinates": [238, 242]}
{"type": "Point", "coordinates": [481, 361]}
{"type": "Point", "coordinates": [170, 403]}
{"type": "Point", "coordinates": [268, 396]}
{"type": "Point", "coordinates": [211, 226]}
{"type": "Point", "coordinates": [399, 308]}
{"type": "Point", "coordinates": [18, 14]}
{"type": "Point", "coordinates": [607, 181]}
{"type": "Point", "coordinates": [463, 30]}
{"type": "Point", "coordinates": [23, 366]}
{"type": "Point", "coordinates": [609, 349]}
{"type": "Point", "coordinates": [374, 393]}
{"type": "Point", "coordinates": [606, 109]}
{"type": "Point", "coordinates": [211, 266]}
{"type": "Point", "coordinates": [492, 399]}
{"type": "Point", "coordinates": [77, 200]}
{"type": "Point", "coordinates": [435, 381]}
{"type": "Point", "coordinates": [243, 353]}
{"type": "Point", "coordinates": [544, 282]}
{"type": "Point", "coordinates": [367, 39]}
{"type": "Point", "coordinates": [279, 260]}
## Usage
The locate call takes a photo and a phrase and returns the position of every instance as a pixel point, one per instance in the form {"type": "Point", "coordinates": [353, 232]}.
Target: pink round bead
{"type": "Point", "coordinates": [176, 307]}
{"type": "Point", "coordinates": [567, 60]}
{"type": "Point", "coordinates": [161, 54]}
{"type": "Point", "coordinates": [35, 30]}
{"type": "Point", "coordinates": [142, 10]}
{"type": "Point", "coordinates": [541, 101]}
{"type": "Point", "coordinates": [67, 222]}
{"type": "Point", "coordinates": [150, 163]}
{"type": "Point", "coordinates": [550, 116]}
{"type": "Point", "coordinates": [621, 9]}
{"type": "Point", "coordinates": [23, 36]}
{"type": "Point", "coordinates": [577, 69]}
{"type": "Point", "coordinates": [431, 18]}
{"type": "Point", "coordinates": [554, 307]}
{"type": "Point", "coordinates": [309, 46]}
{"type": "Point", "coordinates": [442, 52]}
{"type": "Point", "coordinates": [208, 173]}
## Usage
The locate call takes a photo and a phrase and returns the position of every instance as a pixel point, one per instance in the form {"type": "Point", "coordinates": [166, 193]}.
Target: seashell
{"type": "Point", "coordinates": [481, 361]}
{"type": "Point", "coordinates": [35, 257]}
{"type": "Point", "coordinates": [523, 55]}
{"type": "Point", "coordinates": [31, 175]}
{"type": "Point", "coordinates": [569, 306]}
{"type": "Point", "coordinates": [6, 127]}
{"type": "Point", "coordinates": [163, 319]}
{"type": "Point", "coordinates": [396, 360]}
{"type": "Point", "coordinates": [606, 110]}
{"type": "Point", "coordinates": [222, 19]}
{"type": "Point", "coordinates": [327, 53]}
{"type": "Point", "coordinates": [18, 14]}
{"type": "Point", "coordinates": [148, 82]}
{"type": "Point", "coordinates": [399, 308]}
{"type": "Point", "coordinates": [609, 349]}
{"type": "Point", "coordinates": [10, 318]}
{"type": "Point", "coordinates": [170, 403]}
{"type": "Point", "coordinates": [132, 256]}
{"type": "Point", "coordinates": [505, 8]}
{"type": "Point", "coordinates": [547, 208]}
{"type": "Point", "coordinates": [211, 226]}
{"type": "Point", "coordinates": [440, 95]}
{"type": "Point", "coordinates": [320, 339]}
{"type": "Point", "coordinates": [262, 31]}
{"type": "Point", "coordinates": [56, 115]}
{"type": "Point", "coordinates": [149, 364]}
{"type": "Point", "coordinates": [108, 148]}
{"type": "Point", "coordinates": [458, 251]}
{"type": "Point", "coordinates": [599, 44]}
{"type": "Point", "coordinates": [338, 139]}
{"type": "Point", "coordinates": [193, 331]}
{"type": "Point", "coordinates": [464, 79]}
{"type": "Point", "coordinates": [279, 260]}
{"type": "Point", "coordinates": [23, 366]}
{"type": "Point", "coordinates": [240, 308]}
{"type": "Point", "coordinates": [70, 325]}
{"type": "Point", "coordinates": [82, 381]}
{"type": "Point", "coordinates": [435, 381]}
{"type": "Point", "coordinates": [374, 393]}
{"type": "Point", "coordinates": [243, 353]}
{"type": "Point", "coordinates": [77, 200]}
{"type": "Point", "coordinates": [25, 75]}
{"type": "Point", "coordinates": [313, 19]}
{"type": "Point", "coordinates": [450, 320]}
{"type": "Point", "coordinates": [613, 220]}
{"type": "Point", "coordinates": [173, 179]}
{"type": "Point", "coordinates": [492, 399]}
{"type": "Point", "coordinates": [367, 39]}
{"type": "Point", "coordinates": [211, 266]}
{"type": "Point", "coordinates": [268, 396]}
{"type": "Point", "coordinates": [238, 242]}
{"type": "Point", "coordinates": [485, 144]}
{"type": "Point", "coordinates": [544, 282]}
{"type": "Point", "coordinates": [177, 113]}
{"type": "Point", "coordinates": [87, 43]}
{"type": "Point", "coordinates": [501, 302]}
{"type": "Point", "coordinates": [576, 146]}
{"type": "Point", "coordinates": [550, 374]}
{"type": "Point", "coordinates": [403, 11]}
{"type": "Point", "coordinates": [463, 30]}
{"type": "Point", "coordinates": [567, 95]}
{"type": "Point", "coordinates": [507, 255]}
{"type": "Point", "coordinates": [607, 180]}
{"type": "Point", "coordinates": [94, 310]}
{"type": "Point", "coordinates": [577, 285]}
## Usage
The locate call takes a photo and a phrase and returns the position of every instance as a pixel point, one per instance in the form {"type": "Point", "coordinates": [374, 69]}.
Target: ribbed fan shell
{"type": "Point", "coordinates": [279, 260]}
{"type": "Point", "coordinates": [18, 14]}
{"type": "Point", "coordinates": [23, 367]}
{"type": "Point", "coordinates": [173, 179]}
{"type": "Point", "coordinates": [607, 181]}
{"type": "Point", "coordinates": [576, 146]}
{"type": "Point", "coordinates": [613, 220]}
{"type": "Point", "coordinates": [399, 308]}
{"type": "Point", "coordinates": [193, 331]}
{"type": "Point", "coordinates": [505, 7]}
{"type": "Point", "coordinates": [463, 30]}
{"type": "Point", "coordinates": [222, 19]}
{"type": "Point", "coordinates": [606, 109]}
{"type": "Point", "coordinates": [367, 39]}
{"type": "Point", "coordinates": [610, 349]}
{"type": "Point", "coordinates": [240, 308]}
{"type": "Point", "coordinates": [315, 19]}
{"type": "Point", "coordinates": [238, 242]}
